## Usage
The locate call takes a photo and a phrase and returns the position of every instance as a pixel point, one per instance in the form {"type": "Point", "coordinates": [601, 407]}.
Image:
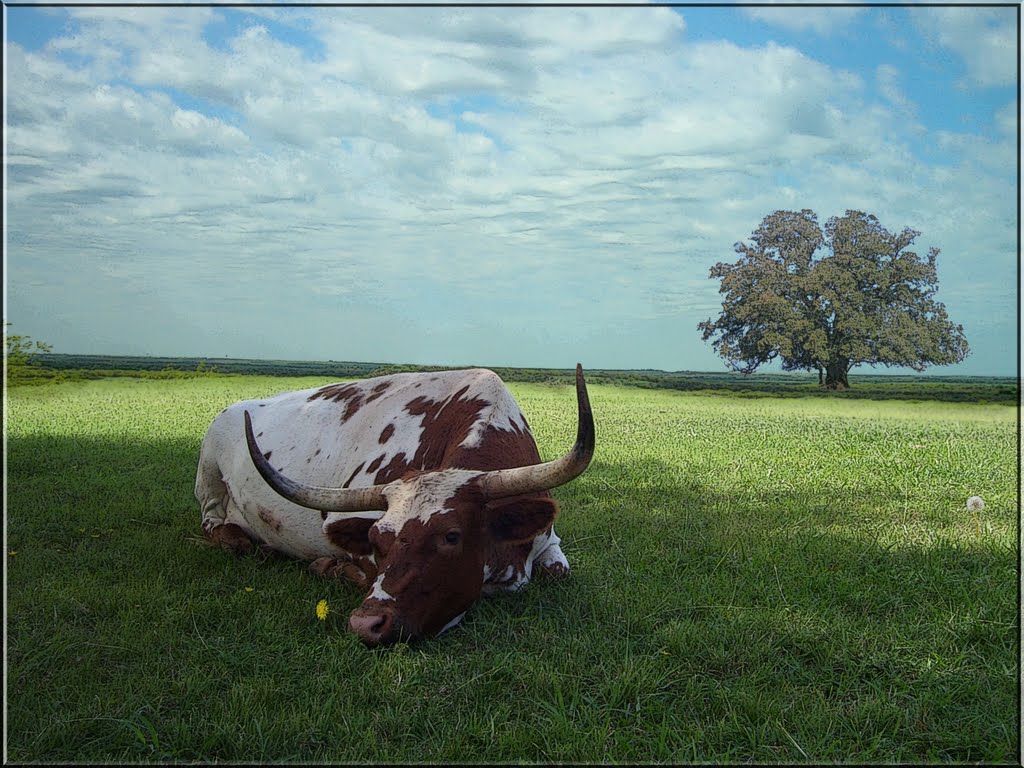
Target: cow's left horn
{"type": "Point", "coordinates": [313, 496]}
{"type": "Point", "coordinates": [541, 477]}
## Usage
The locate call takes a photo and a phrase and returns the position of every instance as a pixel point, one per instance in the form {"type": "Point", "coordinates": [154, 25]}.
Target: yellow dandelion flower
{"type": "Point", "coordinates": [248, 589]}
{"type": "Point", "coordinates": [13, 552]}
{"type": "Point", "coordinates": [322, 610]}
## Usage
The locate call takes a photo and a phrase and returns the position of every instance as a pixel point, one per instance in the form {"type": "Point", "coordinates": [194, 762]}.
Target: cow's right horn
{"type": "Point", "coordinates": [313, 496]}
{"type": "Point", "coordinates": [501, 483]}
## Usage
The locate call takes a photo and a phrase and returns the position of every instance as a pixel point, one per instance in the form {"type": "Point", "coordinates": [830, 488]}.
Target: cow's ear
{"type": "Point", "coordinates": [350, 533]}
{"type": "Point", "coordinates": [521, 519]}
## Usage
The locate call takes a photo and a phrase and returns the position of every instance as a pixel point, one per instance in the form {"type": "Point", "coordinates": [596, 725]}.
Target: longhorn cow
{"type": "Point", "coordinates": [430, 490]}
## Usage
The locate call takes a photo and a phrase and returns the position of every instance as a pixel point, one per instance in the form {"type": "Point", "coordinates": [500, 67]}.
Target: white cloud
{"type": "Point", "coordinates": [1006, 118]}
{"type": "Point", "coordinates": [985, 38]}
{"type": "Point", "coordinates": [888, 78]}
{"type": "Point", "coordinates": [823, 21]}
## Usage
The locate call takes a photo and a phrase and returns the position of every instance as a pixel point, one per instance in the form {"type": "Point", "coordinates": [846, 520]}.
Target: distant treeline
{"type": "Point", "coordinates": [203, 365]}
{"type": "Point", "coordinates": [978, 389]}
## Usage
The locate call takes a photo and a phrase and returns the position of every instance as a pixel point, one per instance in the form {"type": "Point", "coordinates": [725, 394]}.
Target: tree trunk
{"type": "Point", "coordinates": [835, 375]}
{"type": "Point", "coordinates": [821, 382]}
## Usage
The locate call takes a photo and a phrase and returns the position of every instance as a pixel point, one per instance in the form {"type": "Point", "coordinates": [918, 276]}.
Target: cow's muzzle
{"type": "Point", "coordinates": [378, 626]}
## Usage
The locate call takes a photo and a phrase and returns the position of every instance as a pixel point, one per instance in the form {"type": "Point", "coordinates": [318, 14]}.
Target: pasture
{"type": "Point", "coordinates": [754, 579]}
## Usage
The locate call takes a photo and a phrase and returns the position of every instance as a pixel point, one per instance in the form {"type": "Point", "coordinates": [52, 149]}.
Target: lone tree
{"type": "Point", "coordinates": [828, 301]}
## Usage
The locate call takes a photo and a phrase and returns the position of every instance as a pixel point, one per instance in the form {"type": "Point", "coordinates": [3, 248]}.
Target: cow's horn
{"type": "Point", "coordinates": [540, 477]}
{"type": "Point", "coordinates": [313, 496]}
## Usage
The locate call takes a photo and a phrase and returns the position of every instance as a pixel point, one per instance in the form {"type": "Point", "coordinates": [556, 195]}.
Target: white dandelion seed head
{"type": "Point", "coordinates": [975, 503]}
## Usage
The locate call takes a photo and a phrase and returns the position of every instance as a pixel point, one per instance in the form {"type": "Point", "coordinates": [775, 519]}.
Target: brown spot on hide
{"type": "Point", "coordinates": [355, 472]}
{"type": "Point", "coordinates": [375, 464]}
{"type": "Point", "coordinates": [267, 454]}
{"type": "Point", "coordinates": [396, 468]}
{"type": "Point", "coordinates": [378, 390]}
{"type": "Point", "coordinates": [501, 449]}
{"type": "Point", "coordinates": [350, 393]}
{"type": "Point", "coordinates": [317, 452]}
{"type": "Point", "coordinates": [446, 423]}
{"type": "Point", "coordinates": [386, 434]}
{"type": "Point", "coordinates": [267, 517]}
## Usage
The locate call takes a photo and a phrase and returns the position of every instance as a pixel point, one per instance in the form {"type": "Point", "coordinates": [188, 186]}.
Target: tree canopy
{"type": "Point", "coordinates": [20, 352]}
{"type": "Point", "coordinates": [828, 300]}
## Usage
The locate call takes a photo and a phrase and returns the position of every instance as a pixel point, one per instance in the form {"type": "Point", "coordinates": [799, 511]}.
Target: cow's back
{"type": "Point", "coordinates": [355, 434]}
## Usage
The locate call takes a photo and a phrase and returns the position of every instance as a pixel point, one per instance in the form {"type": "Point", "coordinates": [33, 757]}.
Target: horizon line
{"type": "Point", "coordinates": [377, 363]}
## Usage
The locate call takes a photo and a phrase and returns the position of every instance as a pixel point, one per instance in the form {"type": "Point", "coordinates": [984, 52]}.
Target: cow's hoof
{"type": "Point", "coordinates": [326, 567]}
{"type": "Point", "coordinates": [339, 567]}
{"type": "Point", "coordinates": [232, 538]}
{"type": "Point", "coordinates": [552, 570]}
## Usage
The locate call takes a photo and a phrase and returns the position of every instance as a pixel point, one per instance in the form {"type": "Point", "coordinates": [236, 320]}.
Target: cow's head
{"type": "Point", "coordinates": [434, 529]}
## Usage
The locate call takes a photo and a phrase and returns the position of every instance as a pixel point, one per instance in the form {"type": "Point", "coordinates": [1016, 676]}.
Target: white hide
{"type": "Point", "coordinates": [451, 623]}
{"type": "Point", "coordinates": [377, 592]}
{"type": "Point", "coordinates": [422, 497]}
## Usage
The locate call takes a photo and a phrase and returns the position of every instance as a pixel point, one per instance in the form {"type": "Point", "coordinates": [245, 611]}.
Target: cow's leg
{"type": "Point", "coordinates": [212, 494]}
{"type": "Point", "coordinates": [229, 536]}
{"type": "Point", "coordinates": [355, 561]}
{"type": "Point", "coordinates": [552, 561]}
{"type": "Point", "coordinates": [361, 571]}
{"type": "Point", "coordinates": [232, 538]}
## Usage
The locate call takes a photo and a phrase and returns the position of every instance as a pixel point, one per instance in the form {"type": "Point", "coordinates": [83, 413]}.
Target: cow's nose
{"type": "Point", "coordinates": [372, 628]}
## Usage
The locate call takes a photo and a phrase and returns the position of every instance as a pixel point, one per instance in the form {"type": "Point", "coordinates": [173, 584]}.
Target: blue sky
{"type": "Point", "coordinates": [528, 186]}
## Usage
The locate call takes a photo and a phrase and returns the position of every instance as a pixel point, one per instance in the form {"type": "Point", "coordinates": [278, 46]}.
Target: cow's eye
{"type": "Point", "coordinates": [453, 537]}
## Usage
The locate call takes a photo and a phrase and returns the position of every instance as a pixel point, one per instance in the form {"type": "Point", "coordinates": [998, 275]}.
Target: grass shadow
{"type": "Point", "coordinates": [696, 625]}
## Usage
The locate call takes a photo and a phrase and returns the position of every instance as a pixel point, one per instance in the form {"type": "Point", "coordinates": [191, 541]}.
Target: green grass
{"type": "Point", "coordinates": [765, 580]}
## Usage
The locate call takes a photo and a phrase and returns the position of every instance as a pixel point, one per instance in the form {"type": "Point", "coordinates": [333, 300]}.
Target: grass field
{"type": "Point", "coordinates": [766, 580]}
